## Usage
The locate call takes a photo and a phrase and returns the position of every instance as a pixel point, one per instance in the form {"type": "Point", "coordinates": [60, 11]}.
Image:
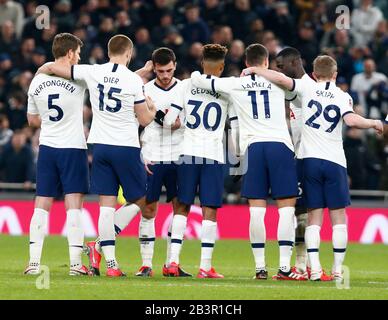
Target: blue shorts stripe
{"type": "Point", "coordinates": [257, 245]}
{"type": "Point", "coordinates": [339, 250]}
{"type": "Point", "coordinates": [176, 241]}
{"type": "Point", "coordinates": [286, 243]}
{"type": "Point", "coordinates": [107, 243]}
{"type": "Point", "coordinates": [207, 245]}
{"type": "Point", "coordinates": [117, 229]}
{"type": "Point", "coordinates": [312, 250]}
{"type": "Point", "coordinates": [298, 240]}
{"type": "Point", "coordinates": [146, 239]}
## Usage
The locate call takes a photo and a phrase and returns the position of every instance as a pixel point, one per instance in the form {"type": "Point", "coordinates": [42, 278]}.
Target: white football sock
{"type": "Point", "coordinates": [147, 240]}
{"type": "Point", "coordinates": [168, 244]}
{"type": "Point", "coordinates": [38, 229]}
{"type": "Point", "coordinates": [300, 245]}
{"type": "Point", "coordinates": [106, 232]}
{"type": "Point", "coordinates": [286, 237]}
{"type": "Point", "coordinates": [313, 240]}
{"type": "Point", "coordinates": [257, 235]}
{"type": "Point", "coordinates": [177, 232]}
{"type": "Point", "coordinates": [123, 217]}
{"type": "Point", "coordinates": [208, 238]}
{"type": "Point", "coordinates": [75, 236]}
{"type": "Point", "coordinates": [340, 241]}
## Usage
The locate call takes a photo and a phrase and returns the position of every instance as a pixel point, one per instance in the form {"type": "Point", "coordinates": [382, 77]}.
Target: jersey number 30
{"type": "Point", "coordinates": [197, 117]}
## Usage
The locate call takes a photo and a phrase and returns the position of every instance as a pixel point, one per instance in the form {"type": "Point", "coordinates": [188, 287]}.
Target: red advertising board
{"type": "Point", "coordinates": [366, 225]}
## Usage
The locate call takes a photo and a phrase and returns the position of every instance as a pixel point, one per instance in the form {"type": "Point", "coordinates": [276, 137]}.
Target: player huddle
{"type": "Point", "coordinates": [182, 149]}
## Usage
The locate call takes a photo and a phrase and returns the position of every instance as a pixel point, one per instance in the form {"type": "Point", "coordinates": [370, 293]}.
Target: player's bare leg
{"type": "Point", "coordinates": [313, 239]}
{"type": "Point", "coordinates": [75, 233]}
{"type": "Point", "coordinates": [107, 235]}
{"type": "Point", "coordinates": [257, 236]}
{"type": "Point", "coordinates": [178, 227]}
{"type": "Point", "coordinates": [286, 238]}
{"type": "Point", "coordinates": [147, 238]}
{"type": "Point", "coordinates": [209, 234]}
{"type": "Point", "coordinates": [340, 240]}
{"type": "Point", "coordinates": [38, 230]}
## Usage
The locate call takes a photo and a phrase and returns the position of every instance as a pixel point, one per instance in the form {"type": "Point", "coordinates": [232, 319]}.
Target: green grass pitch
{"type": "Point", "coordinates": [368, 265]}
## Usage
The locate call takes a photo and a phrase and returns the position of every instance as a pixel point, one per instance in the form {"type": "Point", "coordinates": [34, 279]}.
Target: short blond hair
{"type": "Point", "coordinates": [119, 44]}
{"type": "Point", "coordinates": [324, 67]}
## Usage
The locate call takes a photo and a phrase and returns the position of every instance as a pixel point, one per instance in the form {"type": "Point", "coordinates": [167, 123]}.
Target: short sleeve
{"type": "Point", "coordinates": [139, 91]}
{"type": "Point", "coordinates": [32, 107]}
{"type": "Point", "coordinates": [178, 99]}
{"type": "Point", "coordinates": [346, 105]}
{"type": "Point", "coordinates": [300, 87]}
{"type": "Point", "coordinates": [290, 96]}
{"type": "Point", "coordinates": [232, 115]}
{"type": "Point", "coordinates": [81, 72]}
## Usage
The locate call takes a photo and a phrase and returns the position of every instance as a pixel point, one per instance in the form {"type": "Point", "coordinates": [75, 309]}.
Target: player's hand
{"type": "Point", "coordinates": [149, 66]}
{"type": "Point", "coordinates": [177, 124]}
{"type": "Point", "coordinates": [45, 69]}
{"type": "Point", "coordinates": [27, 185]}
{"type": "Point", "coordinates": [379, 127]}
{"type": "Point", "coordinates": [150, 104]}
{"type": "Point", "coordinates": [146, 166]}
{"type": "Point", "coordinates": [248, 71]}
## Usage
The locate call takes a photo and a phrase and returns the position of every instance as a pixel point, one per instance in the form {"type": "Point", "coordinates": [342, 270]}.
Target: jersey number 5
{"type": "Point", "coordinates": [51, 106]}
{"type": "Point", "coordinates": [110, 97]}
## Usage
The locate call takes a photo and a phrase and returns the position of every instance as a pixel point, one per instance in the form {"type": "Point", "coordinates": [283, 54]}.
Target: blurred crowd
{"type": "Point", "coordinates": [357, 38]}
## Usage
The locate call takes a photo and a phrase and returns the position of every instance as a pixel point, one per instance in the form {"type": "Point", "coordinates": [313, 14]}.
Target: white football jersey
{"type": "Point", "coordinates": [259, 105]}
{"type": "Point", "coordinates": [59, 103]}
{"type": "Point", "coordinates": [205, 114]}
{"type": "Point", "coordinates": [114, 90]}
{"type": "Point", "coordinates": [323, 108]}
{"type": "Point", "coordinates": [158, 143]}
{"type": "Point", "coordinates": [296, 122]}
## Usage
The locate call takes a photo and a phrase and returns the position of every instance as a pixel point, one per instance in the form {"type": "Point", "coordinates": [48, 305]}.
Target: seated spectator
{"type": "Point", "coordinates": [239, 17]}
{"type": "Point", "coordinates": [256, 31]}
{"type": "Point", "coordinates": [222, 35]}
{"type": "Point", "coordinates": [363, 82]}
{"type": "Point", "coordinates": [195, 29]}
{"type": "Point", "coordinates": [17, 110]}
{"type": "Point", "coordinates": [175, 42]}
{"type": "Point", "coordinates": [144, 46]}
{"type": "Point", "coordinates": [12, 10]}
{"type": "Point", "coordinates": [308, 44]}
{"type": "Point", "coordinates": [17, 161]}
{"type": "Point", "coordinates": [235, 56]}
{"type": "Point", "coordinates": [8, 41]}
{"type": "Point", "coordinates": [5, 132]}
{"type": "Point", "coordinates": [364, 22]}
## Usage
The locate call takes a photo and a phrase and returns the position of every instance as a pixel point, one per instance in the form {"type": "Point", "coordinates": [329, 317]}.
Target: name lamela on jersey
{"type": "Point", "coordinates": [196, 91]}
{"type": "Point", "coordinates": [257, 85]}
{"type": "Point", "coordinates": [55, 83]}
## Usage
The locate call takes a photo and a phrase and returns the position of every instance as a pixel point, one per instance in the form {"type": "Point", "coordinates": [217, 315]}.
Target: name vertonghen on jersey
{"type": "Point", "coordinates": [55, 83]}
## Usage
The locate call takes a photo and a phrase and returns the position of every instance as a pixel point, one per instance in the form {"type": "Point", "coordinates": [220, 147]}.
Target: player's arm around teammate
{"type": "Point", "coordinates": [324, 162]}
{"type": "Point", "coordinates": [55, 105]}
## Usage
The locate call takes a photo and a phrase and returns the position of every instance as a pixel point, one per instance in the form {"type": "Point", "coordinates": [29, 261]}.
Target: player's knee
{"type": "Point", "coordinates": [149, 212]}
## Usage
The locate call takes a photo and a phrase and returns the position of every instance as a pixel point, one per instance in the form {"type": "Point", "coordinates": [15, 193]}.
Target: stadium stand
{"type": "Point", "coordinates": [362, 55]}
